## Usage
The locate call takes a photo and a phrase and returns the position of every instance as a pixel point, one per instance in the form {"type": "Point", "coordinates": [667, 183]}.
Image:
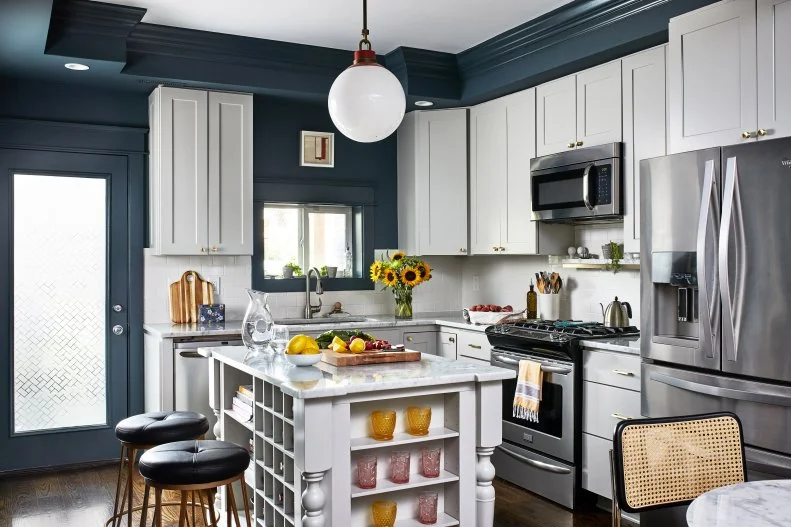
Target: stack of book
{"type": "Point", "coordinates": [243, 402]}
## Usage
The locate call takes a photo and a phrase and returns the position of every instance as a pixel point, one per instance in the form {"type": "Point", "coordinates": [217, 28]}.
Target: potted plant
{"type": "Point", "coordinates": [401, 273]}
{"type": "Point", "coordinates": [291, 270]}
{"type": "Point", "coordinates": [613, 251]}
{"type": "Point", "coordinates": [329, 272]}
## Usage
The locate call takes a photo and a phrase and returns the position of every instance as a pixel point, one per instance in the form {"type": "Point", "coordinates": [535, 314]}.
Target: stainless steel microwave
{"type": "Point", "coordinates": [579, 185]}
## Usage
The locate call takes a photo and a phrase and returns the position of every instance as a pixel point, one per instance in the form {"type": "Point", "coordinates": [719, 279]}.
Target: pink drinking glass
{"type": "Point", "coordinates": [427, 508]}
{"type": "Point", "coordinates": [429, 461]}
{"type": "Point", "coordinates": [366, 472]}
{"type": "Point", "coordinates": [399, 466]}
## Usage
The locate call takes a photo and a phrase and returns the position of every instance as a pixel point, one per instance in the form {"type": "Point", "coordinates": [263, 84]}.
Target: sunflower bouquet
{"type": "Point", "coordinates": [401, 273]}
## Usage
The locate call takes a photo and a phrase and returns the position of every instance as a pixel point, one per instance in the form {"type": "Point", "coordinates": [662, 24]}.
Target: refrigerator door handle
{"type": "Point", "coordinates": [731, 217]}
{"type": "Point", "coordinates": [708, 299]}
{"type": "Point", "coordinates": [721, 391]}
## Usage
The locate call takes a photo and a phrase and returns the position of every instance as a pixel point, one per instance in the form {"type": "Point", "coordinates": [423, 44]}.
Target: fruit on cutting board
{"type": "Point", "coordinates": [357, 345]}
{"type": "Point", "coordinates": [325, 339]}
{"type": "Point", "coordinates": [302, 345]}
{"type": "Point", "coordinates": [491, 308]}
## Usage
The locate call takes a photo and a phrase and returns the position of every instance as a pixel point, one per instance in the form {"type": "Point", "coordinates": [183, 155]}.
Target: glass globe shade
{"type": "Point", "coordinates": [366, 103]}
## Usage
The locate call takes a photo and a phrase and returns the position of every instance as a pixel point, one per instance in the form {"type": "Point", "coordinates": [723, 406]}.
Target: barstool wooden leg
{"type": "Point", "coordinates": [130, 467]}
{"type": "Point", "coordinates": [203, 509]}
{"type": "Point", "coordinates": [192, 500]}
{"type": "Point", "coordinates": [246, 502]}
{"type": "Point", "coordinates": [118, 485]}
{"type": "Point", "coordinates": [183, 509]}
{"type": "Point", "coordinates": [234, 508]}
{"type": "Point", "coordinates": [211, 509]}
{"type": "Point", "coordinates": [158, 507]}
{"type": "Point", "coordinates": [144, 512]}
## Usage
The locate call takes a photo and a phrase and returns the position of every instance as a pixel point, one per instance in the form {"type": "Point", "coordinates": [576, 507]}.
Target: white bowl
{"type": "Point", "coordinates": [303, 360]}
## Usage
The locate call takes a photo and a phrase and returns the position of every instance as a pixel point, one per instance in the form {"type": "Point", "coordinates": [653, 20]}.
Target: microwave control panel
{"type": "Point", "coordinates": [604, 185]}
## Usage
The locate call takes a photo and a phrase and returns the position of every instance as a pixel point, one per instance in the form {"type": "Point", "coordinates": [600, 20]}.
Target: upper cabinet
{"type": "Point", "coordinates": [774, 68]}
{"type": "Point", "coordinates": [432, 182]}
{"type": "Point", "coordinates": [502, 142]}
{"type": "Point", "coordinates": [201, 172]}
{"type": "Point", "coordinates": [644, 130]}
{"type": "Point", "coordinates": [579, 110]}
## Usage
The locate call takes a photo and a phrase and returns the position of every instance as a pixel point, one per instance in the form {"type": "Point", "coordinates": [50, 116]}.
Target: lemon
{"type": "Point", "coordinates": [339, 341]}
{"type": "Point", "coordinates": [338, 348]}
{"type": "Point", "coordinates": [300, 344]}
{"type": "Point", "coordinates": [357, 345]}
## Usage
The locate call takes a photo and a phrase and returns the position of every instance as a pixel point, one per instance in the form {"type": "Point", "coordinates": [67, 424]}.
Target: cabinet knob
{"type": "Point", "coordinates": [203, 249]}
{"type": "Point", "coordinates": [409, 339]}
{"type": "Point", "coordinates": [747, 135]}
{"type": "Point", "coordinates": [451, 339]}
{"type": "Point", "coordinates": [763, 132]}
{"type": "Point", "coordinates": [579, 143]}
{"type": "Point", "coordinates": [215, 249]}
{"type": "Point", "coordinates": [502, 249]}
{"type": "Point", "coordinates": [462, 250]}
{"type": "Point", "coordinates": [571, 145]}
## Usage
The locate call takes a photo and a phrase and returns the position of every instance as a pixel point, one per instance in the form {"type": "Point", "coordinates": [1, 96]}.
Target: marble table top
{"type": "Point", "coordinates": [753, 504]}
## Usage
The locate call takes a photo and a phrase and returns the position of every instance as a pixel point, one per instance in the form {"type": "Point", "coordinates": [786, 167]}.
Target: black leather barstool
{"type": "Point", "coordinates": [189, 466]}
{"type": "Point", "coordinates": [144, 431]}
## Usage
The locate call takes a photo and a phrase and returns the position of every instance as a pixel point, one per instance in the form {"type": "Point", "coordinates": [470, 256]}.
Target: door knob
{"type": "Point", "coordinates": [579, 143]}
{"type": "Point", "coordinates": [118, 329]}
{"type": "Point", "coordinates": [118, 308]}
{"type": "Point", "coordinates": [763, 132]}
{"type": "Point", "coordinates": [747, 135]}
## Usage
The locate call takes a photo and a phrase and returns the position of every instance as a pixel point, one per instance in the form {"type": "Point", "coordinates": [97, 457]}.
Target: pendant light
{"type": "Point", "coordinates": [366, 101]}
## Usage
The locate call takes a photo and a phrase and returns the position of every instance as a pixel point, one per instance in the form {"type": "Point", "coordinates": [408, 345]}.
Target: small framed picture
{"type": "Point", "coordinates": [317, 149]}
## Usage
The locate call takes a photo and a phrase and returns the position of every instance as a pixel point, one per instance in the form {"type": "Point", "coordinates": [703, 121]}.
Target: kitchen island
{"type": "Point", "coordinates": [311, 424]}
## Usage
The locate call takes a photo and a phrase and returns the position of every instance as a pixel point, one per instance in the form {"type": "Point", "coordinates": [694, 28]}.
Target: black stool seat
{"type": "Point", "coordinates": [156, 428]}
{"type": "Point", "coordinates": [194, 462]}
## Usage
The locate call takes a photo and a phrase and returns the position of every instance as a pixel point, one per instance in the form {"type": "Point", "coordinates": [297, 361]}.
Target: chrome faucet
{"type": "Point", "coordinates": [310, 309]}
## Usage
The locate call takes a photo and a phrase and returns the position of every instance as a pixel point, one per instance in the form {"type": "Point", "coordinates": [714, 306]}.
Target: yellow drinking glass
{"type": "Point", "coordinates": [384, 513]}
{"type": "Point", "coordinates": [418, 420]}
{"type": "Point", "coordinates": [383, 424]}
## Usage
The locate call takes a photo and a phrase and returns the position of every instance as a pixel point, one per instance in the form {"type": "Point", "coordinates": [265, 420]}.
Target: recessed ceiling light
{"type": "Point", "coordinates": [77, 67]}
{"type": "Point", "coordinates": [424, 103]}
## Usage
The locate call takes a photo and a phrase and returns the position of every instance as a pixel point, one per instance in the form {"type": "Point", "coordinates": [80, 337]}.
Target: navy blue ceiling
{"type": "Point", "coordinates": [38, 36]}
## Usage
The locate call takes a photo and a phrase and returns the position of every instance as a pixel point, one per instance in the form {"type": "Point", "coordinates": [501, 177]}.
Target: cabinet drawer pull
{"type": "Point", "coordinates": [474, 346]}
{"type": "Point", "coordinates": [624, 373]}
{"type": "Point", "coordinates": [620, 417]}
{"type": "Point", "coordinates": [409, 339]}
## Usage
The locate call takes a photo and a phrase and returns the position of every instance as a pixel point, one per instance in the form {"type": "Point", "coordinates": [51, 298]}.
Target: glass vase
{"type": "Point", "coordinates": [257, 327]}
{"type": "Point", "coordinates": [403, 304]}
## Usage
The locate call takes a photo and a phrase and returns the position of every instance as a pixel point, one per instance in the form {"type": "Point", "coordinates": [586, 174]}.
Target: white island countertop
{"type": "Point", "coordinates": [326, 380]}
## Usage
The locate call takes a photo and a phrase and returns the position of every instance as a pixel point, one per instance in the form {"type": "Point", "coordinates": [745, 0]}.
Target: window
{"type": "Point", "coordinates": [308, 236]}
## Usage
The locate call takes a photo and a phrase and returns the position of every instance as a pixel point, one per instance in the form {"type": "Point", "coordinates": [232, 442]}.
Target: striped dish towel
{"type": "Point", "coordinates": [527, 396]}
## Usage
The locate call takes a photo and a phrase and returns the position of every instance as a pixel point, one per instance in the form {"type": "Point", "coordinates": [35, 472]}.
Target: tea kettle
{"type": "Point", "coordinates": [617, 314]}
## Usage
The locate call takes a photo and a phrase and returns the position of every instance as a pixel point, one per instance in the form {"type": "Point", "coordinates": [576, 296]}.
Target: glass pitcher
{"type": "Point", "coordinates": [257, 325]}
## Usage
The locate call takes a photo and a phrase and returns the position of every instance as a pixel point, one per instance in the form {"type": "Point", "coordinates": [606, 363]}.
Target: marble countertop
{"type": "Point", "coordinates": [756, 504]}
{"type": "Point", "coordinates": [325, 380]}
{"type": "Point", "coordinates": [234, 327]}
{"type": "Point", "coordinates": [621, 344]}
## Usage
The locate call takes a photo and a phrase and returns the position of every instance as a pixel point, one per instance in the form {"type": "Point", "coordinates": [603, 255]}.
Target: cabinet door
{"type": "Point", "coordinates": [422, 341]}
{"type": "Point", "coordinates": [774, 67]}
{"type": "Point", "coordinates": [441, 191]}
{"type": "Point", "coordinates": [712, 76]}
{"type": "Point", "coordinates": [556, 116]}
{"type": "Point", "coordinates": [488, 175]}
{"type": "Point", "coordinates": [644, 130]}
{"type": "Point", "coordinates": [230, 173]}
{"type": "Point", "coordinates": [599, 105]}
{"type": "Point", "coordinates": [446, 345]}
{"type": "Point", "coordinates": [181, 170]}
{"type": "Point", "coordinates": [517, 228]}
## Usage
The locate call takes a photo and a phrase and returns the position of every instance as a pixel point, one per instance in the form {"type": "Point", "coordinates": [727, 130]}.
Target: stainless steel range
{"type": "Point", "coordinates": [544, 457]}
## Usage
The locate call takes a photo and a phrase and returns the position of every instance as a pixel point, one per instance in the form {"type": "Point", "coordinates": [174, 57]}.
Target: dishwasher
{"type": "Point", "coordinates": [191, 376]}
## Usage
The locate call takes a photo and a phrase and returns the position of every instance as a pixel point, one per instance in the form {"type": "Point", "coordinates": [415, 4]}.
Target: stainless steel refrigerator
{"type": "Point", "coordinates": [716, 294]}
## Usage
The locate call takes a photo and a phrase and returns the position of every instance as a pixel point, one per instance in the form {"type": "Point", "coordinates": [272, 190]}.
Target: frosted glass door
{"type": "Point", "coordinates": [64, 272]}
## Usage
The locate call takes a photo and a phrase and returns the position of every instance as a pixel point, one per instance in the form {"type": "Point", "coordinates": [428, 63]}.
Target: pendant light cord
{"type": "Point", "coordinates": [364, 40]}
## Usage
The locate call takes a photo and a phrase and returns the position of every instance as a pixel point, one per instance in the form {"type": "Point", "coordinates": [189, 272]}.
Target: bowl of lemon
{"type": "Point", "coordinates": [303, 350]}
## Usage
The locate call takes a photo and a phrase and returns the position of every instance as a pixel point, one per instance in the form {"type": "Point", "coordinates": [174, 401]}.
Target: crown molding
{"type": "Point", "coordinates": [425, 73]}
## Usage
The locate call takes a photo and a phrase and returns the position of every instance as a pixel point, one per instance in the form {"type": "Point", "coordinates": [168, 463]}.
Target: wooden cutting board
{"type": "Point", "coordinates": [368, 357]}
{"type": "Point", "coordinates": [186, 295]}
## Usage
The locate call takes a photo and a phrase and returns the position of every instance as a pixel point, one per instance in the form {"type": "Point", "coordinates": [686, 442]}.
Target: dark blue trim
{"type": "Point", "coordinates": [77, 137]}
{"type": "Point", "coordinates": [138, 236]}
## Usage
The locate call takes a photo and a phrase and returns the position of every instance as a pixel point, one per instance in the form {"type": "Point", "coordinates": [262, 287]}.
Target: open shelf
{"type": "Point", "coordinates": [598, 263]}
{"type": "Point", "coordinates": [403, 438]}
{"type": "Point", "coordinates": [443, 520]}
{"type": "Point", "coordinates": [415, 480]}
{"type": "Point", "coordinates": [239, 419]}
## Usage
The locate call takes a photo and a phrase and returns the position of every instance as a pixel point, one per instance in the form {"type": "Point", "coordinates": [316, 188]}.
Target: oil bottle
{"type": "Point", "coordinates": [532, 303]}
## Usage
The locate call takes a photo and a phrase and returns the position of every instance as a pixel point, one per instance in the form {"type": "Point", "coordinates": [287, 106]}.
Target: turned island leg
{"type": "Point", "coordinates": [313, 500]}
{"type": "Point", "coordinates": [484, 490]}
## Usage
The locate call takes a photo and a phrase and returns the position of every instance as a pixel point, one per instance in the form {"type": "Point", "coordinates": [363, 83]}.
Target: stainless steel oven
{"type": "Point", "coordinates": [578, 185]}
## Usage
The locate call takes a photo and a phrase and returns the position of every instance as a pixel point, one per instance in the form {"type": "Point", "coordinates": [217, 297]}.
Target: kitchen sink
{"type": "Point", "coordinates": [320, 320]}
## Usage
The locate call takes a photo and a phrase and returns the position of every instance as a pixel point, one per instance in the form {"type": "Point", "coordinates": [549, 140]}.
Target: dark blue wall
{"type": "Point", "coordinates": [277, 126]}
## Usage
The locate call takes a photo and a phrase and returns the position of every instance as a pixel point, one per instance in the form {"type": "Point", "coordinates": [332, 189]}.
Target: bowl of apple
{"type": "Point", "coordinates": [487, 314]}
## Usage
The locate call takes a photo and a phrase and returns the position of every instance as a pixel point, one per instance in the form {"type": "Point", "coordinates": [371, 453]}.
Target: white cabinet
{"type": "Point", "coordinates": [432, 182]}
{"type": "Point", "coordinates": [712, 76]}
{"type": "Point", "coordinates": [579, 110]}
{"type": "Point", "coordinates": [644, 129]}
{"type": "Point", "coordinates": [774, 68]}
{"type": "Point", "coordinates": [201, 172]}
{"type": "Point", "coordinates": [502, 142]}
{"type": "Point", "coordinates": [446, 344]}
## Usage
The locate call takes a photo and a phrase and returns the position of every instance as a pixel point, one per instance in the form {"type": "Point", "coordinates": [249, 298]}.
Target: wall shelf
{"type": "Point", "coordinates": [415, 480]}
{"type": "Point", "coordinates": [403, 438]}
{"type": "Point", "coordinates": [598, 263]}
{"type": "Point", "coordinates": [443, 520]}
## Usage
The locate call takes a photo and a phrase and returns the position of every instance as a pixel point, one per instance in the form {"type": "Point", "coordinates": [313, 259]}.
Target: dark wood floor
{"type": "Point", "coordinates": [84, 498]}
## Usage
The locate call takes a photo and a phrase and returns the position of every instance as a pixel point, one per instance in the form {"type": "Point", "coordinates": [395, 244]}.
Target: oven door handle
{"type": "Point", "coordinates": [544, 366]}
{"type": "Point", "coordinates": [537, 464]}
